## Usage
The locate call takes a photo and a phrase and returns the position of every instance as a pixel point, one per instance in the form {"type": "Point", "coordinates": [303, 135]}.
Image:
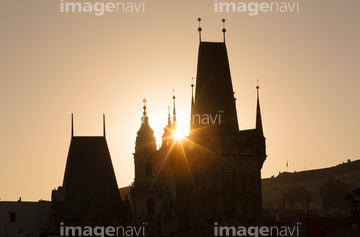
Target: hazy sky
{"type": "Point", "coordinates": [55, 63]}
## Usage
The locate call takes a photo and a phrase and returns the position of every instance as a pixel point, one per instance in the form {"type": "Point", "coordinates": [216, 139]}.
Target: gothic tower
{"type": "Point", "coordinates": [217, 167]}
{"type": "Point", "coordinates": [90, 194]}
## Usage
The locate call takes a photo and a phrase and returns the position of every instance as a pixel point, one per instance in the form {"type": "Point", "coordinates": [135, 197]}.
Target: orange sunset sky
{"type": "Point", "coordinates": [55, 63]}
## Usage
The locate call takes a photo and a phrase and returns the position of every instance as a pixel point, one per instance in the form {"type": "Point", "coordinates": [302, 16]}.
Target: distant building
{"type": "Point", "coordinates": [274, 188]}
{"type": "Point", "coordinates": [23, 218]}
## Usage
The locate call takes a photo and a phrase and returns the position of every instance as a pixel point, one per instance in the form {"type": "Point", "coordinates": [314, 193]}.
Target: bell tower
{"type": "Point", "coordinates": [153, 176]}
{"type": "Point", "coordinates": [145, 148]}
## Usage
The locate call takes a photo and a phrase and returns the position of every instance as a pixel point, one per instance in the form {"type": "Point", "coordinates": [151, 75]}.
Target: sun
{"type": "Point", "coordinates": [182, 130]}
{"type": "Point", "coordinates": [178, 135]}
{"type": "Point", "coordinates": [158, 125]}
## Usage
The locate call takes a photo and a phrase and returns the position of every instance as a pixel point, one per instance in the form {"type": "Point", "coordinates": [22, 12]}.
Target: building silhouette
{"type": "Point", "coordinates": [22, 218]}
{"type": "Point", "coordinates": [152, 197]}
{"type": "Point", "coordinates": [215, 171]}
{"type": "Point", "coordinates": [186, 185]}
{"type": "Point", "coordinates": [313, 181]}
{"type": "Point", "coordinates": [89, 195]}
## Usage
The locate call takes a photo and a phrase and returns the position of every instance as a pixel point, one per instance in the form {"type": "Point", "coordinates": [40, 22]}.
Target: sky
{"type": "Point", "coordinates": [56, 63]}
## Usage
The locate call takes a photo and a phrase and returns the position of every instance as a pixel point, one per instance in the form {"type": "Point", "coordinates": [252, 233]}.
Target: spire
{"type": "Point", "coordinates": [174, 112]}
{"type": "Point", "coordinates": [259, 127]}
{"type": "Point", "coordinates": [72, 125]}
{"type": "Point", "coordinates": [199, 29]}
{"type": "Point", "coordinates": [168, 134]}
{"type": "Point", "coordinates": [169, 118]}
{"type": "Point", "coordinates": [192, 93]}
{"type": "Point", "coordinates": [192, 101]}
{"type": "Point", "coordinates": [104, 125]}
{"type": "Point", "coordinates": [223, 30]}
{"type": "Point", "coordinates": [144, 118]}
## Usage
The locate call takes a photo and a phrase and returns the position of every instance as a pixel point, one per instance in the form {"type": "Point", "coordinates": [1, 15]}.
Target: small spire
{"type": "Point", "coordinates": [72, 124]}
{"type": "Point", "coordinates": [192, 93]}
{"type": "Point", "coordinates": [223, 30]}
{"type": "Point", "coordinates": [144, 113]}
{"type": "Point", "coordinates": [199, 29]}
{"type": "Point", "coordinates": [259, 127]}
{"type": "Point", "coordinates": [104, 125]}
{"type": "Point", "coordinates": [169, 118]}
{"type": "Point", "coordinates": [144, 118]}
{"type": "Point", "coordinates": [174, 112]}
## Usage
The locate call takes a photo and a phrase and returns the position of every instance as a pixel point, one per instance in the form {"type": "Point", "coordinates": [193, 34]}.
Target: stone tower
{"type": "Point", "coordinates": [217, 167]}
{"type": "Point", "coordinates": [90, 194]}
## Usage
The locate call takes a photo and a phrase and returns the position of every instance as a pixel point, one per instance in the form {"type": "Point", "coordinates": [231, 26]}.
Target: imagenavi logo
{"type": "Point", "coordinates": [256, 231]}
{"type": "Point", "coordinates": [100, 8]}
{"type": "Point", "coordinates": [102, 231]}
{"type": "Point", "coordinates": [254, 8]}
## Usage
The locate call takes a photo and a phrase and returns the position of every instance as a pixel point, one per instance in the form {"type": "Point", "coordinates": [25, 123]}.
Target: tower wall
{"type": "Point", "coordinates": [217, 184]}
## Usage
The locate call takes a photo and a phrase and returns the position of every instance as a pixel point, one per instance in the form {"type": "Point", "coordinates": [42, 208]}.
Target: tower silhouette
{"type": "Point", "coordinates": [214, 174]}
{"type": "Point", "coordinates": [90, 195]}
{"type": "Point", "coordinates": [217, 167]}
{"type": "Point", "coordinates": [154, 180]}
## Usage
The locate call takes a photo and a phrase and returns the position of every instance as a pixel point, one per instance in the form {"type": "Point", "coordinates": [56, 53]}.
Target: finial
{"type": "Point", "coordinates": [223, 30]}
{"type": "Point", "coordinates": [104, 125]}
{"type": "Point", "coordinates": [144, 101]}
{"type": "Point", "coordinates": [72, 124]}
{"type": "Point", "coordinates": [199, 29]}
{"type": "Point", "coordinates": [174, 112]}
{"type": "Point", "coordinates": [257, 88]}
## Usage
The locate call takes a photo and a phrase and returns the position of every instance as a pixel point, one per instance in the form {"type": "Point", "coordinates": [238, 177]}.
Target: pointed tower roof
{"type": "Point", "coordinates": [214, 94]}
{"type": "Point", "coordinates": [88, 168]}
{"type": "Point", "coordinates": [259, 127]}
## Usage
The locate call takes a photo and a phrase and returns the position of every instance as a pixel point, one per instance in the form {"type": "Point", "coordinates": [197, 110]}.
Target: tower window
{"type": "Point", "coordinates": [150, 206]}
{"type": "Point", "coordinates": [148, 169]}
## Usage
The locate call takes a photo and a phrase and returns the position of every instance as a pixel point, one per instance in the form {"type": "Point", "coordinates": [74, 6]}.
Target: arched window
{"type": "Point", "coordinates": [148, 169]}
{"type": "Point", "coordinates": [150, 206]}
